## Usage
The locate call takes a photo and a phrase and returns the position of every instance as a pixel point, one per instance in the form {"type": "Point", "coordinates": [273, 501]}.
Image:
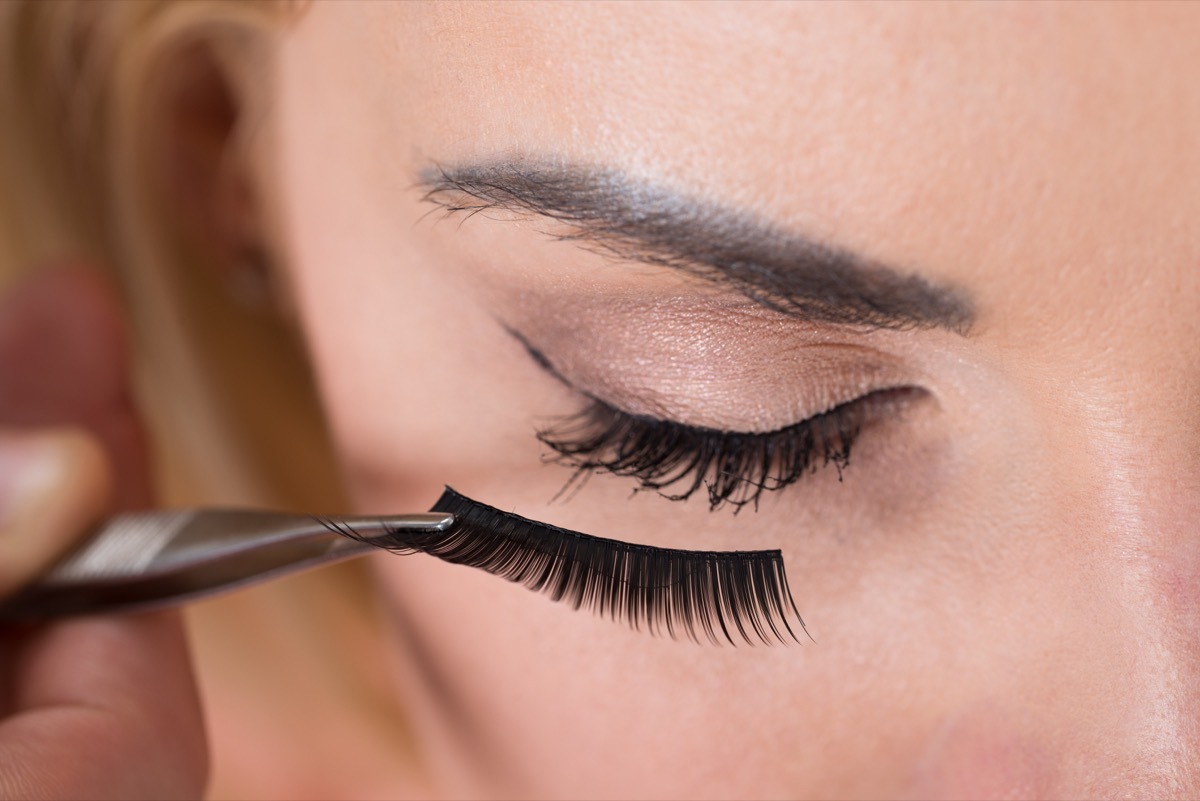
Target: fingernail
{"type": "Point", "coordinates": [51, 483]}
{"type": "Point", "coordinates": [29, 464]}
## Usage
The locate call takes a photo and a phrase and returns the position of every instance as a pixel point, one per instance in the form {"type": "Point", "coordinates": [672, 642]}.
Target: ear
{"type": "Point", "coordinates": [203, 170]}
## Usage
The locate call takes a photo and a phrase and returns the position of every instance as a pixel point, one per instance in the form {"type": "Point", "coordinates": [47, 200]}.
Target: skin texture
{"type": "Point", "coordinates": [1002, 590]}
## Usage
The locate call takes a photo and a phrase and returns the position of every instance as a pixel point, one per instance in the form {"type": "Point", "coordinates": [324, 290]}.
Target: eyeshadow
{"type": "Point", "coordinates": [729, 370]}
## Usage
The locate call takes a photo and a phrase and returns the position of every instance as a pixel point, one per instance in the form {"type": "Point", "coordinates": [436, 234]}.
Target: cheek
{"type": "Point", "coordinates": [400, 355]}
{"type": "Point", "coordinates": [981, 754]}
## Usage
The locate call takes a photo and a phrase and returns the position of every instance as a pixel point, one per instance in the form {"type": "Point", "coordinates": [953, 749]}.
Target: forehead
{"type": "Point", "coordinates": [920, 133]}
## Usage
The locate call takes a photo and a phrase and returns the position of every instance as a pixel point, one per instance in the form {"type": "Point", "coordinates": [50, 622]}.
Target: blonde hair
{"type": "Point", "coordinates": [224, 385]}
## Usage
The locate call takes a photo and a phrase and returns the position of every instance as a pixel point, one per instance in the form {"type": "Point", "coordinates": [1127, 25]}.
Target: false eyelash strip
{"type": "Point", "coordinates": [722, 595]}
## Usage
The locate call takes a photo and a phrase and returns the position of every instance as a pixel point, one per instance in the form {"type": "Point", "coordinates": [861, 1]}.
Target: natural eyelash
{"type": "Point", "coordinates": [723, 595]}
{"type": "Point", "coordinates": [735, 468]}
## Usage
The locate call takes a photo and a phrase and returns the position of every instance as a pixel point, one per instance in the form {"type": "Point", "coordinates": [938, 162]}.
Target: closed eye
{"type": "Point", "coordinates": [676, 460]}
{"type": "Point", "coordinates": [731, 467]}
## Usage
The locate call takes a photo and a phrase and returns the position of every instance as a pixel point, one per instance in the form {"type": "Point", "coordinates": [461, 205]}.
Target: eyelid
{"type": "Point", "coordinates": [832, 375]}
{"type": "Point", "coordinates": [733, 467]}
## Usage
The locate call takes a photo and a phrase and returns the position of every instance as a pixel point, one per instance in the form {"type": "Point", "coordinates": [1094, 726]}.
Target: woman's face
{"type": "Point", "coordinates": [1001, 586]}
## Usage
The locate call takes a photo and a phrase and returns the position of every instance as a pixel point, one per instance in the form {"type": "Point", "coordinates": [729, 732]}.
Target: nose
{"type": "Point", "coordinates": [1112, 696]}
{"type": "Point", "coordinates": [982, 753]}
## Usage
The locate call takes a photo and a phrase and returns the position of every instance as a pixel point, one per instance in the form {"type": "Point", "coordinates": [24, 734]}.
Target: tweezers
{"type": "Point", "coordinates": [144, 560]}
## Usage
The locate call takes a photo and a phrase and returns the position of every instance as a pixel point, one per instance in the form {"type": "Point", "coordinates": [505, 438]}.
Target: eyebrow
{"type": "Point", "coordinates": [605, 210]}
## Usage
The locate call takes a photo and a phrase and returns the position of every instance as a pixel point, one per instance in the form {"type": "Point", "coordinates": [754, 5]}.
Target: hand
{"type": "Point", "coordinates": [98, 707]}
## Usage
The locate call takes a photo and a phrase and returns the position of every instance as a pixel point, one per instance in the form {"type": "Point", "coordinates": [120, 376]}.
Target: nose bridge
{"type": "Point", "coordinates": [1138, 431]}
{"type": "Point", "coordinates": [1108, 700]}
{"type": "Point", "coordinates": [1136, 434]}
{"type": "Point", "coordinates": [1133, 441]}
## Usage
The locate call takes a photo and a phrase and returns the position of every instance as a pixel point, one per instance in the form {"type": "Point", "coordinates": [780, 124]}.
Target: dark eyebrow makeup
{"type": "Point", "coordinates": [603, 209]}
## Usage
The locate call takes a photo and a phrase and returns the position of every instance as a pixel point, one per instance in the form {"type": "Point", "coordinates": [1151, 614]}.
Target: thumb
{"type": "Point", "coordinates": [71, 444]}
{"type": "Point", "coordinates": [64, 362]}
{"type": "Point", "coordinates": [53, 484]}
